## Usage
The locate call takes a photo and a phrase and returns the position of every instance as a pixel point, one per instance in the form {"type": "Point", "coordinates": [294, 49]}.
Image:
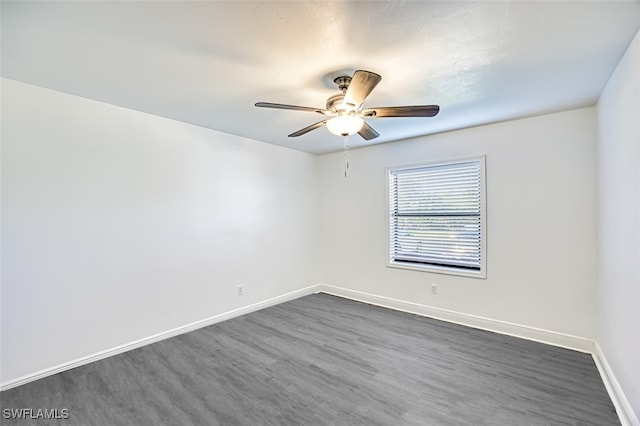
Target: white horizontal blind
{"type": "Point", "coordinates": [435, 214]}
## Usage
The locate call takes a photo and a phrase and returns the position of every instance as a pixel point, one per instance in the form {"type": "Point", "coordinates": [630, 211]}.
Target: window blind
{"type": "Point", "coordinates": [435, 215]}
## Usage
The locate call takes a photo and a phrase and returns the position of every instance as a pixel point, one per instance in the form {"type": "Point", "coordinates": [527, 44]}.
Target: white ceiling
{"type": "Point", "coordinates": [207, 63]}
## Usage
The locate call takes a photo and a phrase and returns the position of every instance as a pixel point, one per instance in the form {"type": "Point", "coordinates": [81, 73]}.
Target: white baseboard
{"type": "Point", "coordinates": [623, 406]}
{"type": "Point", "coordinates": [503, 327]}
{"type": "Point", "coordinates": [12, 383]}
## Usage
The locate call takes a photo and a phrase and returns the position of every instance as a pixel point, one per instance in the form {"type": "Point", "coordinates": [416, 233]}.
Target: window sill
{"type": "Point", "coordinates": [438, 270]}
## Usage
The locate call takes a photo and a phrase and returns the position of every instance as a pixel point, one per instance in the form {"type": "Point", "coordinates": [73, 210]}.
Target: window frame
{"type": "Point", "coordinates": [440, 269]}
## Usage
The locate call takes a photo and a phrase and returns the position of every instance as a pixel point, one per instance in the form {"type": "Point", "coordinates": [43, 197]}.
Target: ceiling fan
{"type": "Point", "coordinates": [347, 111]}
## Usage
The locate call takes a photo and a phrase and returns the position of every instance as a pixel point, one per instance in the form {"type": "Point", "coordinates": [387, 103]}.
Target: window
{"type": "Point", "coordinates": [437, 219]}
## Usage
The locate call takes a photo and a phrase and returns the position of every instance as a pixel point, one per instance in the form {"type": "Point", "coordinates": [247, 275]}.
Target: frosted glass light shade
{"type": "Point", "coordinates": [345, 125]}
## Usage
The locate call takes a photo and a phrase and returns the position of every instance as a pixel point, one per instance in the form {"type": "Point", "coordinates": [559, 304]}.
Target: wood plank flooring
{"type": "Point", "coordinates": [324, 360]}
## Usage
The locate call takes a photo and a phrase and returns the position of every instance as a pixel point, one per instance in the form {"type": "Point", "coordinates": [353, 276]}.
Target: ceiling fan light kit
{"type": "Point", "coordinates": [347, 108]}
{"type": "Point", "coordinates": [345, 125]}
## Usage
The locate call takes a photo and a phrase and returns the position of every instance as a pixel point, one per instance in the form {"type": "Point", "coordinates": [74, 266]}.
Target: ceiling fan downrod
{"type": "Point", "coordinates": [343, 82]}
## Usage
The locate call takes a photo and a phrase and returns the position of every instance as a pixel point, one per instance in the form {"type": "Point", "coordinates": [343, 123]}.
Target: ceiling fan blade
{"type": "Point", "coordinates": [367, 132]}
{"type": "Point", "coordinates": [308, 129]}
{"type": "Point", "coordinates": [402, 111]}
{"type": "Point", "coordinates": [291, 107]}
{"type": "Point", "coordinates": [362, 83]}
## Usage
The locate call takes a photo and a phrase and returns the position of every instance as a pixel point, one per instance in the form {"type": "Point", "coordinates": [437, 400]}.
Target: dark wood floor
{"type": "Point", "coordinates": [323, 360]}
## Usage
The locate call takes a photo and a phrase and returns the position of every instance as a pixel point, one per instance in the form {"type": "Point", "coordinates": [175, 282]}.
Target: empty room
{"type": "Point", "coordinates": [320, 213]}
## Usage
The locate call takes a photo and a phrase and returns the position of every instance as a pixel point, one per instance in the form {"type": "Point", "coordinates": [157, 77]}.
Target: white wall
{"type": "Point", "coordinates": [541, 222]}
{"type": "Point", "coordinates": [618, 328]}
{"type": "Point", "coordinates": [118, 225]}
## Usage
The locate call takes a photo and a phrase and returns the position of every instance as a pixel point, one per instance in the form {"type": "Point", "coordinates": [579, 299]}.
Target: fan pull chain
{"type": "Point", "coordinates": [346, 155]}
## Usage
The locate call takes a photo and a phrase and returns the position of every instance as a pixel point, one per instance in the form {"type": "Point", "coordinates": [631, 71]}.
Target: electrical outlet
{"type": "Point", "coordinates": [240, 290]}
{"type": "Point", "coordinates": [434, 288]}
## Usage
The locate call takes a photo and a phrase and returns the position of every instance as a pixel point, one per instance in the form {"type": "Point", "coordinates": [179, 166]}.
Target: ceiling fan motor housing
{"type": "Point", "coordinates": [336, 104]}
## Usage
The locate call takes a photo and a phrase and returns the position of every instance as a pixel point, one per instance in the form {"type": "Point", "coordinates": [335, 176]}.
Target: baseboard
{"type": "Point", "coordinates": [623, 406]}
{"type": "Point", "coordinates": [158, 337]}
{"type": "Point", "coordinates": [576, 343]}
